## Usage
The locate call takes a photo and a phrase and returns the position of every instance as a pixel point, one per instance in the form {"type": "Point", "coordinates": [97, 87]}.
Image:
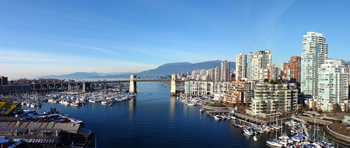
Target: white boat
{"type": "Point", "coordinates": [191, 104]}
{"type": "Point", "coordinates": [65, 102]}
{"type": "Point", "coordinates": [33, 105]}
{"type": "Point", "coordinates": [52, 101]}
{"type": "Point", "coordinates": [73, 104]}
{"type": "Point", "coordinates": [92, 101]}
{"type": "Point", "coordinates": [273, 142]}
{"type": "Point", "coordinates": [223, 117]}
{"type": "Point", "coordinates": [104, 103]}
{"type": "Point", "coordinates": [217, 117]}
{"type": "Point", "coordinates": [297, 138]}
{"type": "Point", "coordinates": [248, 131]}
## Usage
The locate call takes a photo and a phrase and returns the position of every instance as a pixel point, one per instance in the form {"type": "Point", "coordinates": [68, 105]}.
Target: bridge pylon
{"type": "Point", "coordinates": [173, 85]}
{"type": "Point", "coordinates": [132, 88]}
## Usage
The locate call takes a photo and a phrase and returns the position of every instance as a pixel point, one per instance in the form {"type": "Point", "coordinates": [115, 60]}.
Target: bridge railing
{"type": "Point", "coordinates": [337, 135]}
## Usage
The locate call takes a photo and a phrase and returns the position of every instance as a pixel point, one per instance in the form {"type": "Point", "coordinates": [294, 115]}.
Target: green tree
{"type": "Point", "coordinates": [337, 108]}
{"type": "Point", "coordinates": [266, 80]}
{"type": "Point", "coordinates": [272, 81]}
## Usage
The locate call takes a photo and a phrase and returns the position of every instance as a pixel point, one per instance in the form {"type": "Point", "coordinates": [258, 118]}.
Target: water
{"type": "Point", "coordinates": [154, 119]}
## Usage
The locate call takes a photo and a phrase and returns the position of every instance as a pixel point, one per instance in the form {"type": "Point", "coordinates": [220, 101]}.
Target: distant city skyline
{"type": "Point", "coordinates": [40, 38]}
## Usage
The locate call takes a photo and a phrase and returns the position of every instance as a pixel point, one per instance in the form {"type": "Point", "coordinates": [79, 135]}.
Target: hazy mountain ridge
{"type": "Point", "coordinates": [165, 69]}
{"type": "Point", "coordinates": [174, 68]}
{"type": "Point", "coordinates": [83, 75]}
{"type": "Point", "coordinates": [344, 62]}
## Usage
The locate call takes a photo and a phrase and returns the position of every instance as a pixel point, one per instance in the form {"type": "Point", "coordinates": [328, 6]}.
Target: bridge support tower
{"type": "Point", "coordinates": [83, 87]}
{"type": "Point", "coordinates": [132, 88]}
{"type": "Point", "coordinates": [173, 85]}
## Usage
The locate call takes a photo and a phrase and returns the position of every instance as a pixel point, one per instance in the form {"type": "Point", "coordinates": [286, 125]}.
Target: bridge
{"type": "Point", "coordinates": [86, 85]}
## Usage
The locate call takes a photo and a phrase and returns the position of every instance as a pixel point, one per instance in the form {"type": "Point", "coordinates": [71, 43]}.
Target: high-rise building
{"type": "Point", "coordinates": [241, 66]}
{"type": "Point", "coordinates": [225, 71]}
{"type": "Point", "coordinates": [314, 53]}
{"type": "Point", "coordinates": [217, 74]}
{"type": "Point", "coordinates": [333, 82]}
{"type": "Point", "coordinates": [3, 80]}
{"type": "Point", "coordinates": [202, 72]}
{"type": "Point", "coordinates": [257, 61]}
{"type": "Point", "coordinates": [210, 73]}
{"type": "Point", "coordinates": [293, 69]}
{"type": "Point", "coordinates": [283, 67]}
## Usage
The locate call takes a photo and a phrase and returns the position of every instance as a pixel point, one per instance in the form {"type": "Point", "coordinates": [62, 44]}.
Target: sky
{"type": "Point", "coordinates": [40, 37]}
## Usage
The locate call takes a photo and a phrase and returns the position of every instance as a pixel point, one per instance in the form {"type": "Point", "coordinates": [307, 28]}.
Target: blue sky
{"type": "Point", "coordinates": [58, 37]}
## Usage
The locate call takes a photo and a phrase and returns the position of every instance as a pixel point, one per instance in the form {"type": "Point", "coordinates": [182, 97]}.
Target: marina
{"type": "Point", "coordinates": [167, 120]}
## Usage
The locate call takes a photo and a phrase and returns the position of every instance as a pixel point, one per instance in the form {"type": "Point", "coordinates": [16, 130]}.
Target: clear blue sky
{"type": "Point", "coordinates": [57, 37]}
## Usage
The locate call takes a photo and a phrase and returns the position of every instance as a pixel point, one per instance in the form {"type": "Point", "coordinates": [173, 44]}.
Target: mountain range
{"type": "Point", "coordinates": [166, 69]}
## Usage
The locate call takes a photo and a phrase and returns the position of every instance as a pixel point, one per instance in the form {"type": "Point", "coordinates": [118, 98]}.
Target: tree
{"type": "Point", "coordinates": [266, 80]}
{"type": "Point", "coordinates": [337, 108]}
{"type": "Point", "coordinates": [272, 81]}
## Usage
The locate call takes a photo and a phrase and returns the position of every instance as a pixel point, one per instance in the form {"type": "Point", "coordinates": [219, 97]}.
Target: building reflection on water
{"type": "Point", "coordinates": [132, 104]}
{"type": "Point", "coordinates": [172, 107]}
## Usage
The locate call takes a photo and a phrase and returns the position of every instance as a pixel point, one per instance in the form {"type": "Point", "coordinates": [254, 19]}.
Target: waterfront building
{"type": "Point", "coordinates": [217, 74]}
{"type": "Point", "coordinates": [241, 66]}
{"type": "Point", "coordinates": [3, 80]}
{"type": "Point", "coordinates": [333, 79]}
{"type": "Point", "coordinates": [273, 98]}
{"type": "Point", "coordinates": [257, 61]}
{"type": "Point", "coordinates": [44, 134]}
{"type": "Point", "coordinates": [314, 53]}
{"type": "Point", "coordinates": [269, 73]}
{"type": "Point", "coordinates": [200, 88]}
{"type": "Point", "coordinates": [293, 72]}
{"type": "Point", "coordinates": [225, 71]}
{"type": "Point", "coordinates": [239, 92]}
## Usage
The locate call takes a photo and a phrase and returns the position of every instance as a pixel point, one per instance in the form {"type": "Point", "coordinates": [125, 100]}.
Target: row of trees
{"type": "Point", "coordinates": [273, 82]}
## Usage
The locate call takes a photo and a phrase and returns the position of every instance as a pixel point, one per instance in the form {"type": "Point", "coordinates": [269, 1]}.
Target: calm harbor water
{"type": "Point", "coordinates": [154, 119]}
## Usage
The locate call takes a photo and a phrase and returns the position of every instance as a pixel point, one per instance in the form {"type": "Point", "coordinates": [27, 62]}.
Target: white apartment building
{"type": "Point", "coordinates": [225, 71]}
{"type": "Point", "coordinates": [333, 79]}
{"type": "Point", "coordinates": [283, 66]}
{"type": "Point", "coordinates": [241, 66]}
{"type": "Point", "coordinates": [217, 74]}
{"type": "Point", "coordinates": [210, 73]}
{"type": "Point", "coordinates": [205, 88]}
{"type": "Point", "coordinates": [314, 53]}
{"type": "Point", "coordinates": [256, 61]}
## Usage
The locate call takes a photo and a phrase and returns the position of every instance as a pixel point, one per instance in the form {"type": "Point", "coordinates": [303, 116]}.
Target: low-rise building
{"type": "Point", "coordinates": [273, 98]}
{"type": "Point", "coordinates": [239, 92]}
{"type": "Point", "coordinates": [44, 134]}
{"type": "Point", "coordinates": [202, 88]}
